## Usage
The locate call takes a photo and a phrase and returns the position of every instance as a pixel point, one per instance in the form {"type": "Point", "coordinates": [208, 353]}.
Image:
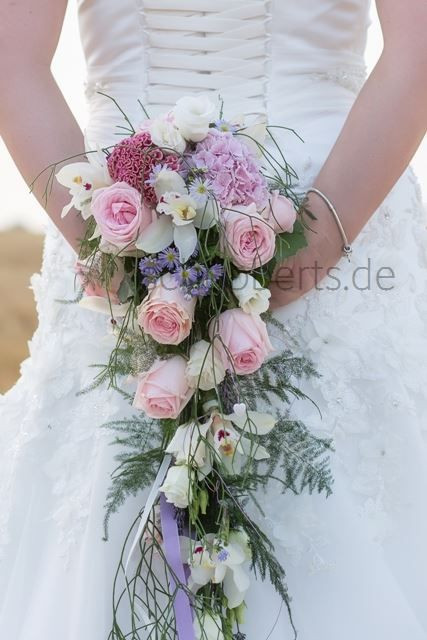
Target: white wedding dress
{"type": "Point", "coordinates": [357, 562]}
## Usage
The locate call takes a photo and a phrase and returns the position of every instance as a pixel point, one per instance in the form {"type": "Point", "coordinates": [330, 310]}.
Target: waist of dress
{"type": "Point", "coordinates": [155, 85]}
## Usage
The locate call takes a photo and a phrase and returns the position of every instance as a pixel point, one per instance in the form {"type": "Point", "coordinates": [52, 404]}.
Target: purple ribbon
{"type": "Point", "coordinates": [182, 606]}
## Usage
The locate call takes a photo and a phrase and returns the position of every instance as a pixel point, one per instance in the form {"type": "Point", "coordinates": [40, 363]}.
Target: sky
{"type": "Point", "coordinates": [18, 207]}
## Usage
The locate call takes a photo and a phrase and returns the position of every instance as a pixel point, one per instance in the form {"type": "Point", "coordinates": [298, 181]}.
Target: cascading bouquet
{"type": "Point", "coordinates": [187, 219]}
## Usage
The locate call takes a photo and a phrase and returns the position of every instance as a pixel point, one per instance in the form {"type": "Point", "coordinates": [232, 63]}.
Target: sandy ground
{"type": "Point", "coordinates": [20, 257]}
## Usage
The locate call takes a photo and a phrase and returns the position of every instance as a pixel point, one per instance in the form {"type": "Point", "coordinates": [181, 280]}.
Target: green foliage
{"type": "Point", "coordinates": [289, 244]}
{"type": "Point", "coordinates": [276, 379]}
{"type": "Point", "coordinates": [139, 439]}
{"type": "Point", "coordinates": [298, 459]}
{"type": "Point", "coordinates": [263, 559]}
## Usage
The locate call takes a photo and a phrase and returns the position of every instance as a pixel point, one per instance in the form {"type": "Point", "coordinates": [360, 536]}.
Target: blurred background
{"type": "Point", "coordinates": [22, 220]}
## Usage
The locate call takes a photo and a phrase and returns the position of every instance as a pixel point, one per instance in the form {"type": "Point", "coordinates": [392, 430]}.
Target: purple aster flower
{"type": "Point", "coordinates": [205, 288]}
{"type": "Point", "coordinates": [182, 276]}
{"type": "Point", "coordinates": [168, 259]}
{"type": "Point", "coordinates": [197, 272]}
{"type": "Point", "coordinates": [155, 173]}
{"type": "Point", "coordinates": [194, 291]}
{"type": "Point", "coordinates": [216, 271]}
{"type": "Point", "coordinates": [149, 280]}
{"type": "Point", "coordinates": [149, 266]}
{"type": "Point", "coordinates": [199, 190]}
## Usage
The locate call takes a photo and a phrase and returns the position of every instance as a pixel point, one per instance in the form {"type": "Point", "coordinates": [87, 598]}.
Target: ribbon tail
{"type": "Point", "coordinates": [161, 474]}
{"type": "Point", "coordinates": [171, 541]}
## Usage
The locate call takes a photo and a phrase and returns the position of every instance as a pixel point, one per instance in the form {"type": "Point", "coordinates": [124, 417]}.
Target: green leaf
{"type": "Point", "coordinates": [126, 289]}
{"type": "Point", "coordinates": [289, 244]}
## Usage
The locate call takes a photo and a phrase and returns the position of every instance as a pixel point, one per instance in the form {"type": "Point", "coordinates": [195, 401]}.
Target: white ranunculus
{"type": "Point", "coordinates": [208, 627]}
{"type": "Point", "coordinates": [251, 296]}
{"type": "Point", "coordinates": [167, 181]}
{"type": "Point", "coordinates": [188, 444]}
{"type": "Point", "coordinates": [193, 114]}
{"type": "Point", "coordinates": [165, 134]}
{"type": "Point", "coordinates": [205, 368]}
{"type": "Point", "coordinates": [178, 486]}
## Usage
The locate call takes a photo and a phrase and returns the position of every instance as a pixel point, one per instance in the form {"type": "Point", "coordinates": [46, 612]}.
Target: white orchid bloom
{"type": "Point", "coordinates": [82, 179]}
{"type": "Point", "coordinates": [220, 563]}
{"type": "Point", "coordinates": [188, 445]}
{"type": "Point", "coordinates": [255, 422]}
{"type": "Point", "coordinates": [175, 224]}
{"type": "Point", "coordinates": [157, 236]}
{"type": "Point", "coordinates": [232, 445]}
{"type": "Point", "coordinates": [167, 181]}
{"type": "Point", "coordinates": [207, 215]}
{"type": "Point", "coordinates": [180, 206]}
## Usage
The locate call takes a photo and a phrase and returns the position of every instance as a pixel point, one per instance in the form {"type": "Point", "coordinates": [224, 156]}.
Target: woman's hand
{"type": "Point", "coordinates": [308, 269]}
{"type": "Point", "coordinates": [35, 121]}
{"type": "Point", "coordinates": [381, 134]}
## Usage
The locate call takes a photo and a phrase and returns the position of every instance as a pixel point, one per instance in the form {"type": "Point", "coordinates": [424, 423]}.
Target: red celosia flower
{"type": "Point", "coordinates": [133, 160]}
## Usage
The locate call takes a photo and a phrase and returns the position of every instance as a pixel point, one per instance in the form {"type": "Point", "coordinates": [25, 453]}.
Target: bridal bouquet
{"type": "Point", "coordinates": [188, 217]}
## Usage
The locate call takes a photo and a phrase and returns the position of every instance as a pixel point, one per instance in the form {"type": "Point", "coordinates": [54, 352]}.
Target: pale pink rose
{"type": "Point", "coordinates": [280, 213]}
{"type": "Point", "coordinates": [163, 390]}
{"type": "Point", "coordinates": [248, 239]}
{"type": "Point", "coordinates": [120, 213]}
{"type": "Point", "coordinates": [165, 314]}
{"type": "Point", "coordinates": [90, 281]}
{"type": "Point", "coordinates": [244, 339]}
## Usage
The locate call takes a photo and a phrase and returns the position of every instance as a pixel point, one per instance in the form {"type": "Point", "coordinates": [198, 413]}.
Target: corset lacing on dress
{"type": "Point", "coordinates": [206, 46]}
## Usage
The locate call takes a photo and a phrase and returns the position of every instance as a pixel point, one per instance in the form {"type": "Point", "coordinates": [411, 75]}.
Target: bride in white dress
{"type": "Point", "coordinates": [356, 563]}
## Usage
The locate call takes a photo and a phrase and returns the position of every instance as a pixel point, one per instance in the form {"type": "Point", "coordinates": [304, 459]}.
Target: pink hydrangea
{"type": "Point", "coordinates": [232, 170]}
{"type": "Point", "coordinates": [133, 160]}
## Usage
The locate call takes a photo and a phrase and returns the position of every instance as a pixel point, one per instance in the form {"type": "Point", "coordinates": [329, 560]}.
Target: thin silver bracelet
{"type": "Point", "coordinates": [347, 249]}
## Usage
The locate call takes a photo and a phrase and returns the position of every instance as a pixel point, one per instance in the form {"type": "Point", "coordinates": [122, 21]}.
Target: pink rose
{"type": "Point", "coordinates": [120, 214]}
{"type": "Point", "coordinates": [165, 314]}
{"type": "Point", "coordinates": [89, 278]}
{"type": "Point", "coordinates": [163, 390]}
{"type": "Point", "coordinates": [248, 239]}
{"type": "Point", "coordinates": [244, 339]}
{"type": "Point", "coordinates": [280, 213]}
